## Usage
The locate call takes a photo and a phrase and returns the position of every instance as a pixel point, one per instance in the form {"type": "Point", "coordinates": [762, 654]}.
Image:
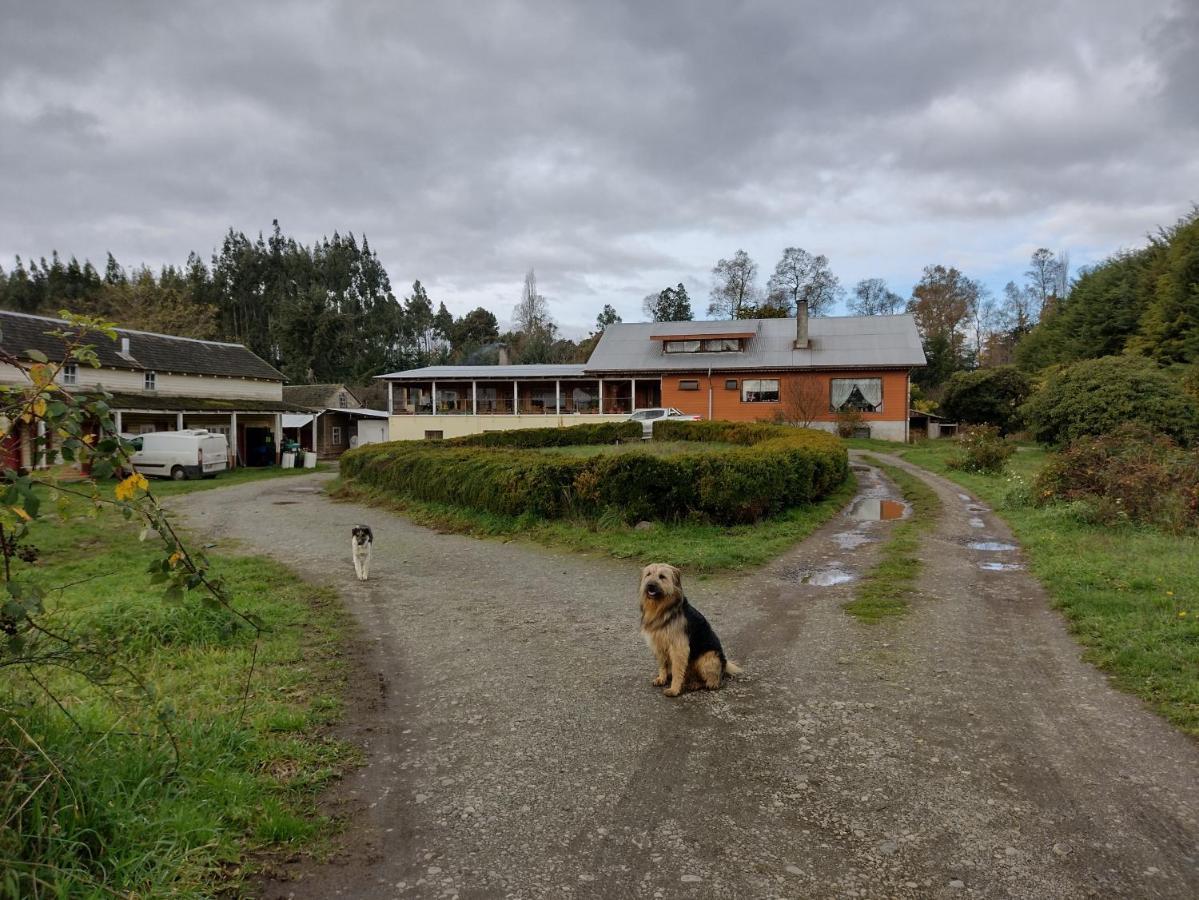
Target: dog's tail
{"type": "Point", "coordinates": [732, 668]}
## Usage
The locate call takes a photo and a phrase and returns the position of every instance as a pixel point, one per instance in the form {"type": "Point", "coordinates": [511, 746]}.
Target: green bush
{"type": "Point", "coordinates": [575, 435]}
{"type": "Point", "coordinates": [981, 449]}
{"type": "Point", "coordinates": [1097, 396]}
{"type": "Point", "coordinates": [771, 468]}
{"type": "Point", "coordinates": [987, 397]}
{"type": "Point", "coordinates": [1131, 475]}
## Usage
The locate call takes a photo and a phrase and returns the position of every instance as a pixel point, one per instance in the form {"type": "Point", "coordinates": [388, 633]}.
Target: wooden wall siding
{"type": "Point", "coordinates": [726, 404]}
{"type": "Point", "coordinates": [134, 381]}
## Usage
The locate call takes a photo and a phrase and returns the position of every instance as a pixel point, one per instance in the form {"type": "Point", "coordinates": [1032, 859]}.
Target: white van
{"type": "Point", "coordinates": [192, 453]}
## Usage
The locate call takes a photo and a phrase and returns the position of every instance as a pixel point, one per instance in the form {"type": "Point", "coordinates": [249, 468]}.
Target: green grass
{"type": "Point", "coordinates": [164, 487]}
{"type": "Point", "coordinates": [701, 548]}
{"type": "Point", "coordinates": [1130, 594]}
{"type": "Point", "coordinates": [113, 815]}
{"type": "Point", "coordinates": [653, 448]}
{"type": "Point", "coordinates": [887, 588]}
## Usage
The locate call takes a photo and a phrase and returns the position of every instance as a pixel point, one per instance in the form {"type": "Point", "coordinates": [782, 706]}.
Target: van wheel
{"type": "Point", "coordinates": [177, 474]}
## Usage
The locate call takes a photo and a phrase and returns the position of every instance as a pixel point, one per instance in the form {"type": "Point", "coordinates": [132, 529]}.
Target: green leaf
{"type": "Point", "coordinates": [37, 356]}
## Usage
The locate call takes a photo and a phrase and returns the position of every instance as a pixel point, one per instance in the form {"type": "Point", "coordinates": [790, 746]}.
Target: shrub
{"type": "Point", "coordinates": [1133, 474]}
{"type": "Point", "coordinates": [987, 397]}
{"type": "Point", "coordinates": [981, 449]}
{"type": "Point", "coordinates": [575, 435]}
{"type": "Point", "coordinates": [848, 422]}
{"type": "Point", "coordinates": [771, 468]}
{"type": "Point", "coordinates": [1097, 396]}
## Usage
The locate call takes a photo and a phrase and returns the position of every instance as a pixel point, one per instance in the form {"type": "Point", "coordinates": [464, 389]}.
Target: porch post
{"type": "Point", "coordinates": [278, 435]}
{"type": "Point", "coordinates": [179, 421]}
{"type": "Point", "coordinates": [474, 398]}
{"type": "Point", "coordinates": [434, 398]}
{"type": "Point", "coordinates": [515, 397]}
{"type": "Point", "coordinates": [633, 394]}
{"type": "Point", "coordinates": [557, 398]}
{"type": "Point", "coordinates": [316, 430]}
{"type": "Point", "coordinates": [391, 409]}
{"type": "Point", "coordinates": [41, 450]}
{"type": "Point", "coordinates": [116, 421]}
{"type": "Point", "coordinates": [233, 440]}
{"type": "Point", "coordinates": [601, 397]}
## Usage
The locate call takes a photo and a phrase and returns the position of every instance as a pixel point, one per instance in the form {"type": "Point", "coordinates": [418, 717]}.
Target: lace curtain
{"type": "Point", "coordinates": [870, 389]}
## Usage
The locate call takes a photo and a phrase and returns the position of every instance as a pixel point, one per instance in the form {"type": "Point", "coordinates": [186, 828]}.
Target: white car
{"type": "Point", "coordinates": [647, 417]}
{"type": "Point", "coordinates": [192, 453]}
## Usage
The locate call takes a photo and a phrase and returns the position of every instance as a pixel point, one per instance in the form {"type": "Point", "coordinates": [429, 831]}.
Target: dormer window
{"type": "Point", "coordinates": [151, 381]}
{"type": "Point", "coordinates": [343, 401]}
{"type": "Point", "coordinates": [70, 373]}
{"type": "Point", "coordinates": [729, 342]}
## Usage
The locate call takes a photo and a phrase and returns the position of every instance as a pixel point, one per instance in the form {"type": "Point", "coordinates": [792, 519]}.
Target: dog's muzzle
{"type": "Point", "coordinates": [653, 590]}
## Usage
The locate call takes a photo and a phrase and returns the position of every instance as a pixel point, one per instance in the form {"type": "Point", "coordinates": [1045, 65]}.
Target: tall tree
{"type": "Point", "coordinates": [670, 304]}
{"type": "Point", "coordinates": [801, 276]}
{"type": "Point", "coordinates": [872, 297]}
{"type": "Point", "coordinates": [941, 303]}
{"type": "Point", "coordinates": [607, 316]}
{"type": "Point", "coordinates": [734, 286]}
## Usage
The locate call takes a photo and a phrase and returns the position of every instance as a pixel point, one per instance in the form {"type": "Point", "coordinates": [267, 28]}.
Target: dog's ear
{"type": "Point", "coordinates": [677, 575]}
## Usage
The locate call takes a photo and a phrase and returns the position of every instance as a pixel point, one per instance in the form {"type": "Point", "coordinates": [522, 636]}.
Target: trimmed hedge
{"type": "Point", "coordinates": [772, 468]}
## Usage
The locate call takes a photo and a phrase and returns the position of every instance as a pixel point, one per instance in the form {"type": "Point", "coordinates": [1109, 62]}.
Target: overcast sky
{"type": "Point", "coordinates": [615, 146]}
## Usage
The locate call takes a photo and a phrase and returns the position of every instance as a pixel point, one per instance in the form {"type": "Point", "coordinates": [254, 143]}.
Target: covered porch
{"type": "Point", "coordinates": [529, 396]}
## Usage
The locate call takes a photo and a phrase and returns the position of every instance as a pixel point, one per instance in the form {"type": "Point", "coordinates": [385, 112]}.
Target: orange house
{"type": "Point", "coordinates": [800, 371]}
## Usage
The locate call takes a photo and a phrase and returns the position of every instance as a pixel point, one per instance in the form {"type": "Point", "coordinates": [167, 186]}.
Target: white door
{"type": "Point", "coordinates": [371, 431]}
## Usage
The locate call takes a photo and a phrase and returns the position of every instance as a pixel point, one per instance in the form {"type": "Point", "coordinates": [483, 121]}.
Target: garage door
{"type": "Point", "coordinates": [371, 431]}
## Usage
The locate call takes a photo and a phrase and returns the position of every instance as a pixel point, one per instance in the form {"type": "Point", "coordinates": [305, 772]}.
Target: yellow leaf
{"type": "Point", "coordinates": [130, 486]}
{"type": "Point", "coordinates": [175, 557]}
{"type": "Point", "coordinates": [39, 407]}
{"type": "Point", "coordinates": [20, 512]}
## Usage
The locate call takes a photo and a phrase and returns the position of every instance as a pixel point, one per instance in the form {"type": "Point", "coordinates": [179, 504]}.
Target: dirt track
{"type": "Point", "coordinates": [516, 748]}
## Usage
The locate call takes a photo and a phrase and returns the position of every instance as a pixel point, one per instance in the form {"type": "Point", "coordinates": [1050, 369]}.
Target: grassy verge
{"type": "Point", "coordinates": [94, 805]}
{"type": "Point", "coordinates": [885, 590]}
{"type": "Point", "coordinates": [1130, 594]}
{"type": "Point", "coordinates": [700, 548]}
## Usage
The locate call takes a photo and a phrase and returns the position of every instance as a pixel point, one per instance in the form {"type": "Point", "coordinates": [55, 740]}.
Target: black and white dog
{"type": "Point", "coordinates": [360, 549]}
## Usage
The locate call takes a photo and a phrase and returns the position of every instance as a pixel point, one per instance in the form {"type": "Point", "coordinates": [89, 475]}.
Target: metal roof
{"type": "Point", "coordinates": [834, 343]}
{"type": "Point", "coordinates": [486, 373]}
{"type": "Point", "coordinates": [21, 332]}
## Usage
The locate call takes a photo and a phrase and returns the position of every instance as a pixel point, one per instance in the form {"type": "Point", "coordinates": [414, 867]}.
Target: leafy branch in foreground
{"type": "Point", "coordinates": [74, 434]}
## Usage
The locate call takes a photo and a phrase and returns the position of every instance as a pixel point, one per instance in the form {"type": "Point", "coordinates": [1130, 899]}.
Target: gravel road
{"type": "Point", "coordinates": [515, 746]}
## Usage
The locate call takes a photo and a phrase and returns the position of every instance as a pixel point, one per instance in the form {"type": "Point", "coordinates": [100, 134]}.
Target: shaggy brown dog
{"type": "Point", "coordinates": [687, 649]}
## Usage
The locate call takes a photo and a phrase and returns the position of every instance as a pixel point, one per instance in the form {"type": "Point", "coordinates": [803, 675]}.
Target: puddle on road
{"type": "Point", "coordinates": [1000, 566]}
{"type": "Point", "coordinates": [870, 510]}
{"type": "Point", "coordinates": [976, 522]}
{"type": "Point", "coordinates": [828, 577]}
{"type": "Point", "coordinates": [285, 502]}
{"type": "Point", "coordinates": [991, 546]}
{"type": "Point", "coordinates": [851, 540]}
{"type": "Point", "coordinates": [977, 509]}
{"type": "Point", "coordinates": [965, 497]}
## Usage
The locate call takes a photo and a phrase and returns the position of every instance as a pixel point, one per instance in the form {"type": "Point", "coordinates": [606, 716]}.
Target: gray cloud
{"type": "Point", "coordinates": [618, 147]}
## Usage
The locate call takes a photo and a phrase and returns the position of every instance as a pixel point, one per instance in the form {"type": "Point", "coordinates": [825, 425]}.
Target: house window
{"type": "Point", "coordinates": [70, 374]}
{"type": "Point", "coordinates": [707, 345]}
{"type": "Point", "coordinates": [337, 435]}
{"type": "Point", "coordinates": [862, 394]}
{"type": "Point", "coordinates": [434, 435]}
{"type": "Point", "coordinates": [688, 385]}
{"type": "Point", "coordinates": [151, 381]}
{"type": "Point", "coordinates": [731, 384]}
{"type": "Point", "coordinates": [760, 390]}
{"type": "Point", "coordinates": [343, 401]}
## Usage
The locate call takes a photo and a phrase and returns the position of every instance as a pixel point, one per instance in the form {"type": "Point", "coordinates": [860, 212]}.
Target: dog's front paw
{"type": "Point", "coordinates": [660, 680]}
{"type": "Point", "coordinates": [673, 691]}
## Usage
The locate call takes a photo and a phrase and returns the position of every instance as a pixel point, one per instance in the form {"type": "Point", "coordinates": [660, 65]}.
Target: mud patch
{"type": "Point", "coordinates": [991, 546]}
{"type": "Point", "coordinates": [851, 540]}
{"type": "Point", "coordinates": [869, 509]}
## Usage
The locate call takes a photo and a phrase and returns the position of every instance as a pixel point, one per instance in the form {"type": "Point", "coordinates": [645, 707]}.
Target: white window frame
{"type": "Point", "coordinates": [70, 373]}
{"type": "Point", "coordinates": [150, 381]}
{"type": "Point", "coordinates": [335, 431]}
{"type": "Point", "coordinates": [758, 386]}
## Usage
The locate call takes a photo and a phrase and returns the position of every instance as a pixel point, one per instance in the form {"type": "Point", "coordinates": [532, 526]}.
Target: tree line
{"type": "Point", "coordinates": [324, 312]}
